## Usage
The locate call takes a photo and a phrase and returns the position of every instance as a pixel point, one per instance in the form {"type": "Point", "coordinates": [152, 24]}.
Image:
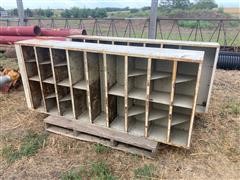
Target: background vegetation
{"type": "Point", "coordinates": [170, 8]}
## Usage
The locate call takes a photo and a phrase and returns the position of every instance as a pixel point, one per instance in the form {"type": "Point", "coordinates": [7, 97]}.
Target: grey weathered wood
{"type": "Point", "coordinates": [170, 113]}
{"type": "Point", "coordinates": [21, 15]}
{"type": "Point", "coordinates": [194, 105]}
{"type": "Point", "coordinates": [149, 71]}
{"type": "Point", "coordinates": [102, 132]}
{"type": "Point", "coordinates": [176, 55]}
{"type": "Point", "coordinates": [112, 144]}
{"type": "Point", "coordinates": [211, 50]}
{"type": "Point", "coordinates": [24, 77]}
{"type": "Point", "coordinates": [120, 87]}
{"type": "Point", "coordinates": [152, 29]}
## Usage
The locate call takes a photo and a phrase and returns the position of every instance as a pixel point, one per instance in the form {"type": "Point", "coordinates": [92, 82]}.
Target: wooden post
{"type": "Point", "coordinates": [153, 20]}
{"type": "Point", "coordinates": [20, 12]}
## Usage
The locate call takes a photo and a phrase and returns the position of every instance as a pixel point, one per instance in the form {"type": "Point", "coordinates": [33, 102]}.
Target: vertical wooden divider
{"type": "Point", "coordinates": [144, 44]}
{"type": "Point", "coordinates": [126, 93]}
{"type": "Point", "coordinates": [194, 104]}
{"type": "Point", "coordinates": [55, 82]}
{"type": "Point", "coordinates": [88, 88]}
{"type": "Point", "coordinates": [105, 71]}
{"type": "Point", "coordinates": [161, 45]}
{"type": "Point", "coordinates": [174, 73]}
{"type": "Point", "coordinates": [40, 78]}
{"type": "Point", "coordinates": [71, 84]}
{"type": "Point", "coordinates": [23, 71]}
{"type": "Point", "coordinates": [149, 69]}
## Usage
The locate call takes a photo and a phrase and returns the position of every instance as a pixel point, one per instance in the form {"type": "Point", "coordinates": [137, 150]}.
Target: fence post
{"type": "Point", "coordinates": [20, 12]}
{"type": "Point", "coordinates": [152, 29]}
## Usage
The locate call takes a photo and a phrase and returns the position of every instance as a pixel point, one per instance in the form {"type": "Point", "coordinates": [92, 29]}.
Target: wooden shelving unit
{"type": "Point", "coordinates": [209, 64]}
{"type": "Point", "coordinates": [137, 91]}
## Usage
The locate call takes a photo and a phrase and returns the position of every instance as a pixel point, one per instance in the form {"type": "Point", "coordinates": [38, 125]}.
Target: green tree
{"type": "Point", "coordinates": [75, 11]}
{"type": "Point", "coordinates": [48, 13]}
{"type": "Point", "coordinates": [66, 13]}
{"type": "Point", "coordinates": [174, 4]}
{"type": "Point", "coordinates": [28, 12]}
{"type": "Point", "coordinates": [134, 10]}
{"type": "Point", "coordinates": [40, 12]}
{"type": "Point", "coordinates": [1, 9]}
{"type": "Point", "coordinates": [99, 13]}
{"type": "Point", "coordinates": [14, 12]}
{"type": "Point", "coordinates": [205, 4]}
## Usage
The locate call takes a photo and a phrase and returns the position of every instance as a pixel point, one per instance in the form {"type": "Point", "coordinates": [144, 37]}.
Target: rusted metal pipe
{"type": "Point", "coordinates": [11, 39]}
{"type": "Point", "coordinates": [62, 32]}
{"type": "Point", "coordinates": [20, 31]}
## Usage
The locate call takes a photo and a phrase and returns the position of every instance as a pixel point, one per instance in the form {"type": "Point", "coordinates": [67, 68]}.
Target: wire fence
{"type": "Point", "coordinates": [224, 31]}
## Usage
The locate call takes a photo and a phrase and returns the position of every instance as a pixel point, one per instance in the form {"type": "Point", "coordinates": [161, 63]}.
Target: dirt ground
{"type": "Point", "coordinates": [214, 152]}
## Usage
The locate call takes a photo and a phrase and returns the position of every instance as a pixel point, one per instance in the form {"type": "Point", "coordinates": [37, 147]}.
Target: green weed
{"type": "Point", "coordinates": [101, 149]}
{"type": "Point", "coordinates": [98, 171]}
{"type": "Point", "coordinates": [146, 172]}
{"type": "Point", "coordinates": [30, 145]}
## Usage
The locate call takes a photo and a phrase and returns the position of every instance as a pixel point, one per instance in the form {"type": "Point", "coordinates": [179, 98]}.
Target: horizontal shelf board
{"type": "Point", "coordinates": [176, 120]}
{"type": "Point", "coordinates": [137, 93]}
{"type": "Point", "coordinates": [153, 115]}
{"type": "Point", "coordinates": [117, 90]}
{"type": "Point", "coordinates": [49, 80]}
{"type": "Point", "coordinates": [34, 78]}
{"type": "Point", "coordinates": [68, 113]}
{"type": "Point", "coordinates": [81, 85]}
{"type": "Point", "coordinates": [179, 119]}
{"type": "Point", "coordinates": [185, 125]}
{"type": "Point", "coordinates": [100, 120]}
{"type": "Point", "coordinates": [136, 128]}
{"type": "Point", "coordinates": [158, 133]}
{"type": "Point", "coordinates": [66, 98]}
{"type": "Point", "coordinates": [137, 72]}
{"type": "Point", "coordinates": [160, 97]}
{"type": "Point", "coordinates": [53, 110]}
{"type": "Point", "coordinates": [179, 137]}
{"type": "Point", "coordinates": [64, 82]}
{"type": "Point", "coordinates": [30, 61]}
{"type": "Point", "coordinates": [84, 117]}
{"type": "Point", "coordinates": [183, 101]}
{"type": "Point", "coordinates": [52, 95]}
{"type": "Point", "coordinates": [60, 64]}
{"type": "Point", "coordinates": [157, 114]}
{"type": "Point", "coordinates": [184, 78]}
{"type": "Point", "coordinates": [160, 75]}
{"type": "Point", "coordinates": [135, 110]}
{"type": "Point", "coordinates": [45, 62]}
{"type": "Point", "coordinates": [164, 98]}
{"type": "Point", "coordinates": [118, 123]}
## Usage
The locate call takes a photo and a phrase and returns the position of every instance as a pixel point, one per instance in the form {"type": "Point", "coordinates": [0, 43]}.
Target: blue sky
{"type": "Point", "coordinates": [8, 4]}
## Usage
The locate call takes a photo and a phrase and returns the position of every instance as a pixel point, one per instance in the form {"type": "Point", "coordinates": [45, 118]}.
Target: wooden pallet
{"type": "Point", "coordinates": [96, 134]}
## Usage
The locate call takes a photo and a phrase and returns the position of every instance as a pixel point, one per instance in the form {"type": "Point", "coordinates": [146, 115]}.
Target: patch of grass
{"type": "Point", "coordinates": [146, 172]}
{"type": "Point", "coordinates": [30, 145]}
{"type": "Point", "coordinates": [193, 24]}
{"type": "Point", "coordinates": [101, 171]}
{"type": "Point", "coordinates": [71, 175]}
{"type": "Point", "coordinates": [99, 148]}
{"type": "Point", "coordinates": [233, 107]}
{"type": "Point", "coordinates": [98, 171]}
